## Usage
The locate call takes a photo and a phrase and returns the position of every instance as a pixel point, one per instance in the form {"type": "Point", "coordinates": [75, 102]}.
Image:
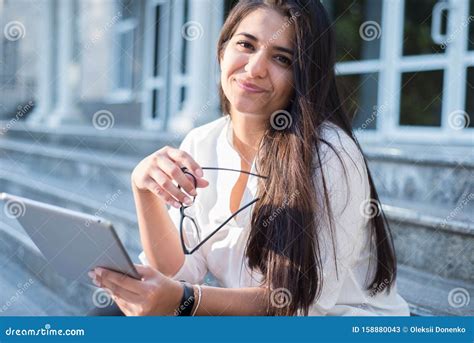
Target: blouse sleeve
{"type": "Point", "coordinates": [349, 193]}
{"type": "Point", "coordinates": [194, 267]}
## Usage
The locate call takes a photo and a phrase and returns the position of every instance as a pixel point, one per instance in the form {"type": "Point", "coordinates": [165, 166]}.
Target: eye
{"type": "Point", "coordinates": [283, 59]}
{"type": "Point", "coordinates": [245, 44]}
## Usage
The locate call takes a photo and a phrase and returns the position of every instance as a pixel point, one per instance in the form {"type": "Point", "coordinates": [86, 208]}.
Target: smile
{"type": "Point", "coordinates": [249, 87]}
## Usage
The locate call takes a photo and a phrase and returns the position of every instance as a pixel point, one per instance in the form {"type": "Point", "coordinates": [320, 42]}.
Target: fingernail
{"type": "Point", "coordinates": [91, 274]}
{"type": "Point", "coordinates": [176, 204]}
{"type": "Point", "coordinates": [98, 271]}
{"type": "Point", "coordinates": [193, 192]}
{"type": "Point", "coordinates": [95, 282]}
{"type": "Point", "coordinates": [199, 172]}
{"type": "Point", "coordinates": [188, 201]}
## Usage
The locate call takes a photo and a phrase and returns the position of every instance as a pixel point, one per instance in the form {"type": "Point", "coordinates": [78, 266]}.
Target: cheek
{"type": "Point", "coordinates": [284, 85]}
{"type": "Point", "coordinates": [231, 64]}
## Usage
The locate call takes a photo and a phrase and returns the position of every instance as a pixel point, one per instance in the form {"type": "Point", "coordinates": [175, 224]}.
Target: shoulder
{"type": "Point", "coordinates": [340, 163]}
{"type": "Point", "coordinates": [339, 152]}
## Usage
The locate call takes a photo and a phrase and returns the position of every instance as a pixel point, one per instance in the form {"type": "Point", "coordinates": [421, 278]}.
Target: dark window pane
{"type": "Point", "coordinates": [417, 29]}
{"type": "Point", "coordinates": [471, 25]}
{"type": "Point", "coordinates": [470, 95]}
{"type": "Point", "coordinates": [359, 97]}
{"type": "Point", "coordinates": [358, 28]}
{"type": "Point", "coordinates": [155, 101]}
{"type": "Point", "coordinates": [156, 57]}
{"type": "Point", "coordinates": [421, 98]}
{"type": "Point", "coordinates": [184, 51]}
{"type": "Point", "coordinates": [182, 97]}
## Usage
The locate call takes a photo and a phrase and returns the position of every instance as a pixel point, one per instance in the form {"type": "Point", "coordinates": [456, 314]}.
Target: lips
{"type": "Point", "coordinates": [249, 86]}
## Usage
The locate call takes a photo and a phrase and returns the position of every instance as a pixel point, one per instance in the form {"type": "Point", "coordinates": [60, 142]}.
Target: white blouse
{"type": "Point", "coordinates": [211, 145]}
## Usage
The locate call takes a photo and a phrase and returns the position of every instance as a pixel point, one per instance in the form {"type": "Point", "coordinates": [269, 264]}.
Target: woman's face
{"type": "Point", "coordinates": [256, 72]}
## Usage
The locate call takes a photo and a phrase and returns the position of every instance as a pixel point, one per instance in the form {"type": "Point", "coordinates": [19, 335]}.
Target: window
{"type": "Point", "coordinates": [165, 69]}
{"type": "Point", "coordinates": [406, 68]}
{"type": "Point", "coordinates": [124, 41]}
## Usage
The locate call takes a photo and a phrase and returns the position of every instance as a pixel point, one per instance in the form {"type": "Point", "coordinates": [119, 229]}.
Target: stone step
{"type": "Point", "coordinates": [432, 244]}
{"type": "Point", "coordinates": [432, 295]}
{"type": "Point", "coordinates": [118, 141]}
{"type": "Point", "coordinates": [442, 177]}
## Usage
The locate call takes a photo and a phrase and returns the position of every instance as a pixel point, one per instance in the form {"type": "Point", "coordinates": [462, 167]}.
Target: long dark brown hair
{"type": "Point", "coordinates": [286, 249]}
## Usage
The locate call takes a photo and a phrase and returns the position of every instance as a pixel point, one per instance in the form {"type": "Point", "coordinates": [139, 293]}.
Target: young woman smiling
{"type": "Point", "coordinates": [306, 245]}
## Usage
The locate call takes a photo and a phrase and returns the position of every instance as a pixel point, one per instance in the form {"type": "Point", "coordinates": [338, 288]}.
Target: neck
{"type": "Point", "coordinates": [248, 130]}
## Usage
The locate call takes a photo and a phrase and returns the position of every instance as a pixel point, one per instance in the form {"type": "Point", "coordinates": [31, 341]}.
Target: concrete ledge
{"type": "Point", "coordinates": [431, 295]}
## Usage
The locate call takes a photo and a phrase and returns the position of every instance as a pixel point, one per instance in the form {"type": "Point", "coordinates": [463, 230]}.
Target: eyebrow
{"type": "Point", "coordinates": [276, 47]}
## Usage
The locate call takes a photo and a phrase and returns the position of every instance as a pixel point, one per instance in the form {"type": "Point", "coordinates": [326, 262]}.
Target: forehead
{"type": "Point", "coordinates": [268, 26]}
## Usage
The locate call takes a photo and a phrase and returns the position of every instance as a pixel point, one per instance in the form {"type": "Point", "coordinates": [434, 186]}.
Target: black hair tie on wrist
{"type": "Point", "coordinates": [187, 301]}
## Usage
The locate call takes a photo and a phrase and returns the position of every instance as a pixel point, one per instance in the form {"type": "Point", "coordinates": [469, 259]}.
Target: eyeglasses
{"type": "Point", "coordinates": [189, 230]}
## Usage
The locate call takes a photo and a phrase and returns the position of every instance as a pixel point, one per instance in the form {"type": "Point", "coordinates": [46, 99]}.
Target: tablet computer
{"type": "Point", "coordinates": [72, 242]}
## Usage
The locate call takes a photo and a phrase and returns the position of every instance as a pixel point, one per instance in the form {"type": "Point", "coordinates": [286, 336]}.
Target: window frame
{"type": "Point", "coordinates": [392, 64]}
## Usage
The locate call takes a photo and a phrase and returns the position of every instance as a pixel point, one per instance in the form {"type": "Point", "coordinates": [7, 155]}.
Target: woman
{"type": "Point", "coordinates": [314, 241]}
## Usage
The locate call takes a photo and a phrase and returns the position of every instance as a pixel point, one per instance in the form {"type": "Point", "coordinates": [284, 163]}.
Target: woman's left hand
{"type": "Point", "coordinates": [155, 294]}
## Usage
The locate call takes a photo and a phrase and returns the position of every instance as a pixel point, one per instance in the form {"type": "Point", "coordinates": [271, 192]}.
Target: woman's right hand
{"type": "Point", "coordinates": [156, 173]}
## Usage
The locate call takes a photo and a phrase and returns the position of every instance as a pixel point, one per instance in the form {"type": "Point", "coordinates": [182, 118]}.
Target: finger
{"type": "Point", "coordinates": [109, 277]}
{"type": "Point", "coordinates": [122, 293]}
{"type": "Point", "coordinates": [202, 183]}
{"type": "Point", "coordinates": [174, 172]}
{"type": "Point", "coordinates": [145, 271]}
{"type": "Point", "coordinates": [156, 189]}
{"type": "Point", "coordinates": [186, 160]}
{"type": "Point", "coordinates": [167, 185]}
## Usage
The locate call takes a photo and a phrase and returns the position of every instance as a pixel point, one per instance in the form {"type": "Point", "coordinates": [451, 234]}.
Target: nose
{"type": "Point", "coordinates": [257, 65]}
